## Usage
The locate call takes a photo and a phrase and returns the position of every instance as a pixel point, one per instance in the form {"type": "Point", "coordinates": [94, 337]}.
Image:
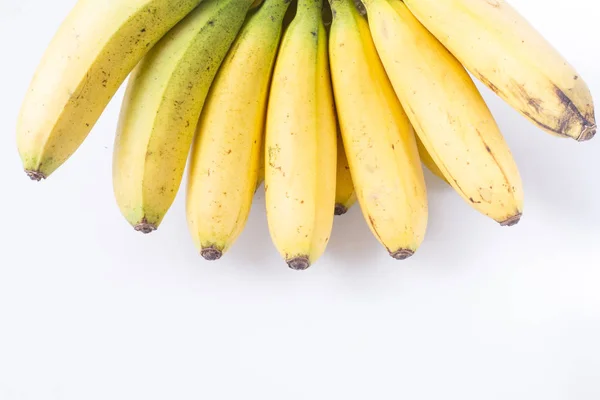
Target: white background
{"type": "Point", "coordinates": [90, 309]}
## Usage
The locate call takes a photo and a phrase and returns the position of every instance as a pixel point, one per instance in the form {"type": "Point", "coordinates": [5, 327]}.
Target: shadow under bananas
{"type": "Point", "coordinates": [447, 245]}
{"type": "Point", "coordinates": [253, 251]}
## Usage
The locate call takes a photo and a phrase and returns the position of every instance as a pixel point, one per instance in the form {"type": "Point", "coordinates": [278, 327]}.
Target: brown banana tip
{"type": "Point", "coordinates": [211, 253]}
{"type": "Point", "coordinates": [402, 254]}
{"type": "Point", "coordinates": [145, 227]}
{"type": "Point", "coordinates": [589, 131]}
{"type": "Point", "coordinates": [35, 175]}
{"type": "Point", "coordinates": [340, 209]}
{"type": "Point", "coordinates": [299, 263]}
{"type": "Point", "coordinates": [512, 221]}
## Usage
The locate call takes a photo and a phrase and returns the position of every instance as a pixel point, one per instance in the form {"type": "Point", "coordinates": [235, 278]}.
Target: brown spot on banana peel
{"type": "Point", "coordinates": [35, 175]}
{"type": "Point", "coordinates": [588, 131]}
{"type": "Point", "coordinates": [145, 227]}
{"type": "Point", "coordinates": [298, 263]}
{"type": "Point", "coordinates": [460, 189]}
{"type": "Point", "coordinates": [488, 83]}
{"type": "Point", "coordinates": [535, 104]}
{"type": "Point", "coordinates": [211, 253]}
{"type": "Point", "coordinates": [571, 117]}
{"type": "Point", "coordinates": [491, 153]}
{"type": "Point", "coordinates": [543, 126]}
{"type": "Point", "coordinates": [374, 226]}
{"type": "Point", "coordinates": [574, 116]}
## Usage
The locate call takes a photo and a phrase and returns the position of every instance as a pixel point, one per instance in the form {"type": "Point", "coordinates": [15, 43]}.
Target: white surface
{"type": "Point", "coordinates": [90, 309]}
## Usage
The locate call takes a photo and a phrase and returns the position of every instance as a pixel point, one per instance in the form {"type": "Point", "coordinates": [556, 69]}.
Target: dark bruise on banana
{"type": "Point", "coordinates": [570, 121]}
{"type": "Point", "coordinates": [524, 70]}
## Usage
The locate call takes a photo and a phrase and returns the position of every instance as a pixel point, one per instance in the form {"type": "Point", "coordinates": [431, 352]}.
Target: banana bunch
{"type": "Point", "coordinates": [327, 103]}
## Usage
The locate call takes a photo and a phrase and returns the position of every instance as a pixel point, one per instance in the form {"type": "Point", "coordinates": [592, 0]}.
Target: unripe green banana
{"type": "Point", "coordinates": [162, 105]}
{"type": "Point", "coordinates": [92, 53]}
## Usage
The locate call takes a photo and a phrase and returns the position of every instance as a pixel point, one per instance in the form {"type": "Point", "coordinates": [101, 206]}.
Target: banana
{"type": "Point", "coordinates": [447, 112]}
{"type": "Point", "coordinates": [495, 43]}
{"type": "Point", "coordinates": [345, 197]}
{"type": "Point", "coordinates": [379, 141]}
{"type": "Point", "coordinates": [260, 177]}
{"type": "Point", "coordinates": [161, 108]}
{"type": "Point", "coordinates": [300, 172]}
{"type": "Point", "coordinates": [92, 53]}
{"type": "Point", "coordinates": [428, 161]}
{"type": "Point", "coordinates": [226, 153]}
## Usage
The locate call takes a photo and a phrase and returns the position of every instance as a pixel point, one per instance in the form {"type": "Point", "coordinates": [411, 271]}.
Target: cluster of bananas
{"type": "Point", "coordinates": [258, 89]}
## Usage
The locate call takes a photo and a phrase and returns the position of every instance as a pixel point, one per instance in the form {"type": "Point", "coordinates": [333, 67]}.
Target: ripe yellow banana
{"type": "Point", "coordinates": [161, 108]}
{"type": "Point", "coordinates": [345, 197]}
{"type": "Point", "coordinates": [225, 156]}
{"type": "Point", "coordinates": [92, 53]}
{"type": "Point", "coordinates": [300, 172]}
{"type": "Point", "coordinates": [493, 41]}
{"type": "Point", "coordinates": [447, 111]}
{"type": "Point", "coordinates": [378, 137]}
{"type": "Point", "coordinates": [427, 160]}
{"type": "Point", "coordinates": [260, 176]}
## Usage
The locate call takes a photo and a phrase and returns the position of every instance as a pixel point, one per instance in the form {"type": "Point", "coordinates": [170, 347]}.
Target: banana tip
{"type": "Point", "coordinates": [211, 253]}
{"type": "Point", "coordinates": [512, 221]}
{"type": "Point", "coordinates": [299, 263]}
{"type": "Point", "coordinates": [145, 227]}
{"type": "Point", "coordinates": [35, 175]}
{"type": "Point", "coordinates": [402, 254]}
{"type": "Point", "coordinates": [589, 131]}
{"type": "Point", "coordinates": [340, 209]}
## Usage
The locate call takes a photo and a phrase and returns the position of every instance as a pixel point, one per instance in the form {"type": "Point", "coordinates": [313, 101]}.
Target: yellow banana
{"type": "Point", "coordinates": [493, 41]}
{"type": "Point", "coordinates": [301, 148]}
{"type": "Point", "coordinates": [92, 53]}
{"type": "Point", "coordinates": [345, 197]}
{"type": "Point", "coordinates": [427, 160]}
{"type": "Point", "coordinates": [161, 109]}
{"type": "Point", "coordinates": [447, 112]}
{"type": "Point", "coordinates": [225, 155]}
{"type": "Point", "coordinates": [260, 177]}
{"type": "Point", "coordinates": [378, 138]}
